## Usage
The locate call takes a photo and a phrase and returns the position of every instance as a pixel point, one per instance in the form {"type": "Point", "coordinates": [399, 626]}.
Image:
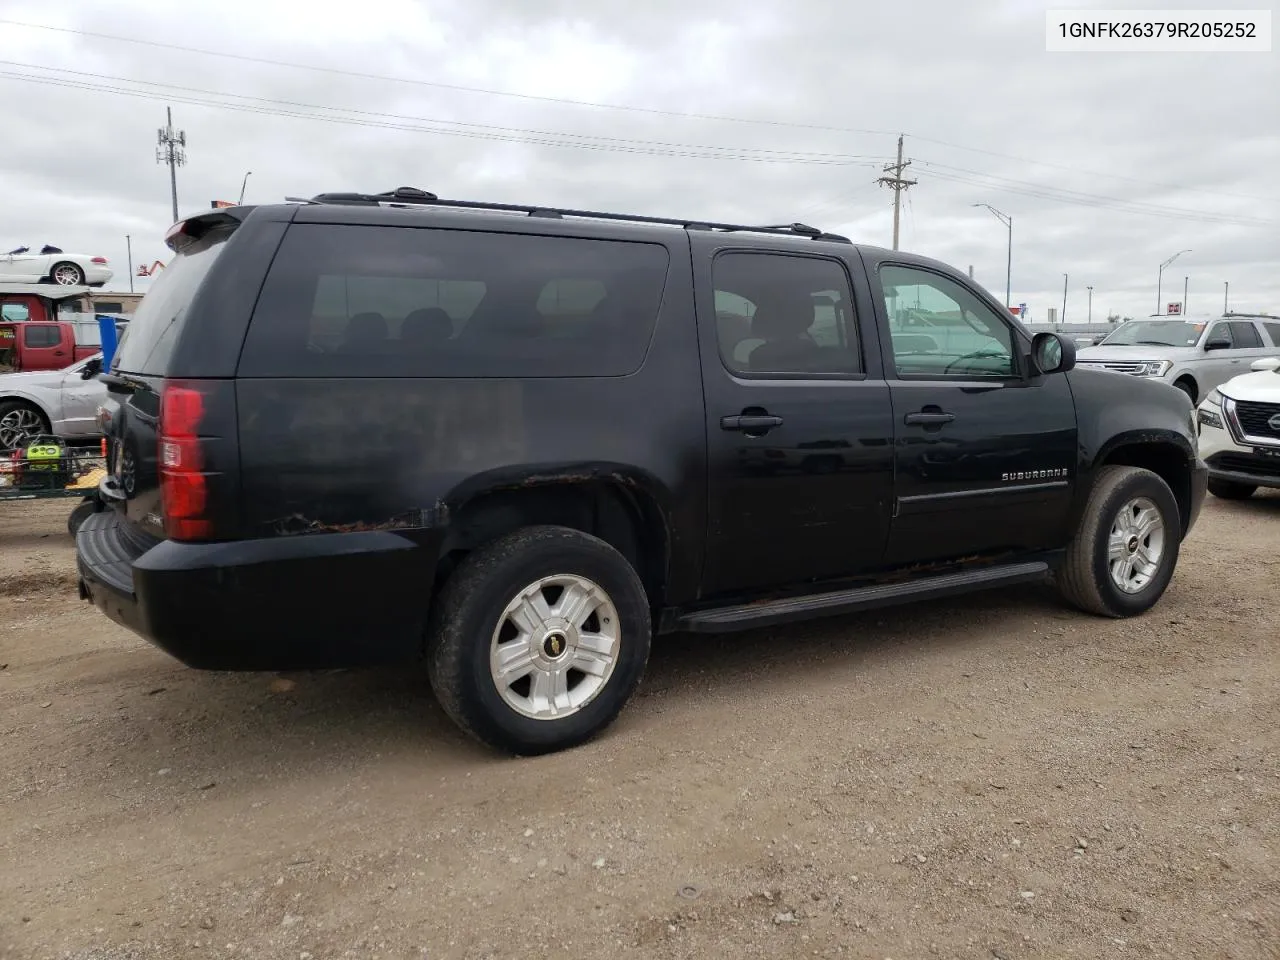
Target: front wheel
{"type": "Point", "coordinates": [538, 639]}
{"type": "Point", "coordinates": [1226, 490]}
{"type": "Point", "coordinates": [1126, 546]}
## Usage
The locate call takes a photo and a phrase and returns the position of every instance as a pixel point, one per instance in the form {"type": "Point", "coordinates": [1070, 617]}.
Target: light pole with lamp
{"type": "Point", "coordinates": [1160, 277]}
{"type": "Point", "coordinates": [1008, 268]}
{"type": "Point", "coordinates": [242, 184]}
{"type": "Point", "coordinates": [1064, 298]}
{"type": "Point", "coordinates": [1090, 289]}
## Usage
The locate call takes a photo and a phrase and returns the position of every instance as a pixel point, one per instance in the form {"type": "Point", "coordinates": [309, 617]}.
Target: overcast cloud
{"type": "Point", "coordinates": [1119, 138]}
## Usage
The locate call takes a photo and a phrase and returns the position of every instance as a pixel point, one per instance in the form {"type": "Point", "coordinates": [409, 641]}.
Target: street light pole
{"type": "Point", "coordinates": [1185, 282]}
{"type": "Point", "coordinates": [1064, 298]}
{"type": "Point", "coordinates": [1008, 267]}
{"type": "Point", "coordinates": [242, 183]}
{"type": "Point", "coordinates": [1226, 291]}
{"type": "Point", "coordinates": [1160, 276]}
{"type": "Point", "coordinates": [1090, 289]}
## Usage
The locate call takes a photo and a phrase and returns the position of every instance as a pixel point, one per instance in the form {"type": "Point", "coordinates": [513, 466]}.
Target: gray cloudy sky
{"type": "Point", "coordinates": [1108, 163]}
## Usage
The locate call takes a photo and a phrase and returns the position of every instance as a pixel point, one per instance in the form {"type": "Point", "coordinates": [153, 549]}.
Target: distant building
{"type": "Point", "coordinates": [111, 302]}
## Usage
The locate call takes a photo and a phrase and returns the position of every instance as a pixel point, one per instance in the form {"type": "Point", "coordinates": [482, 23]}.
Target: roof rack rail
{"type": "Point", "coordinates": [1251, 314]}
{"type": "Point", "coordinates": [412, 197]}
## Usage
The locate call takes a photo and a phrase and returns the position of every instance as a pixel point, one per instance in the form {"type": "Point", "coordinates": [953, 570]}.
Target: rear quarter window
{"type": "Point", "coordinates": [359, 301]}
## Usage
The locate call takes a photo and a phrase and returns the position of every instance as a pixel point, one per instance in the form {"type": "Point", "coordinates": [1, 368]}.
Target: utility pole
{"type": "Point", "coordinates": [897, 184]}
{"type": "Point", "coordinates": [1064, 298]}
{"type": "Point", "coordinates": [128, 245]}
{"type": "Point", "coordinates": [171, 149]}
{"type": "Point", "coordinates": [1090, 289]}
{"type": "Point", "coordinates": [1008, 266]}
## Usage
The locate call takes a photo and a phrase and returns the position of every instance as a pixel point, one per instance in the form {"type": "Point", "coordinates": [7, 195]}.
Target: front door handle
{"type": "Point", "coordinates": [751, 423]}
{"type": "Point", "coordinates": [929, 418]}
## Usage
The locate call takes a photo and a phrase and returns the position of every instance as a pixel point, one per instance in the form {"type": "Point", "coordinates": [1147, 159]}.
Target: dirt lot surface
{"type": "Point", "coordinates": [993, 777]}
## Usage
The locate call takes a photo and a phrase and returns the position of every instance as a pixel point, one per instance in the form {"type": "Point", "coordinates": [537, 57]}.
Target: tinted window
{"type": "Point", "coordinates": [1159, 333]}
{"type": "Point", "coordinates": [941, 328]}
{"type": "Point", "coordinates": [41, 336]}
{"type": "Point", "coordinates": [778, 314]}
{"type": "Point", "coordinates": [153, 329]}
{"type": "Point", "coordinates": [1220, 332]}
{"type": "Point", "coordinates": [16, 312]}
{"type": "Point", "coordinates": [357, 301]}
{"type": "Point", "coordinates": [108, 306]}
{"type": "Point", "coordinates": [1273, 331]}
{"type": "Point", "coordinates": [1244, 334]}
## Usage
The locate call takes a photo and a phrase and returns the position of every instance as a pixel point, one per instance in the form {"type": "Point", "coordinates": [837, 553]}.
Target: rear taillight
{"type": "Point", "coordinates": [184, 486]}
{"type": "Point", "coordinates": [99, 260]}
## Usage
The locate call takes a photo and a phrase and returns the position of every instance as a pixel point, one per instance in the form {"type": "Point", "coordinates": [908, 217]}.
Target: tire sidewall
{"type": "Point", "coordinates": [1136, 485]}
{"type": "Point", "coordinates": [485, 710]}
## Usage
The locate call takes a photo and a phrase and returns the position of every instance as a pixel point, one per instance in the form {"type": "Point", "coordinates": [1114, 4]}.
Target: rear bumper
{"type": "Point", "coordinates": [286, 603]}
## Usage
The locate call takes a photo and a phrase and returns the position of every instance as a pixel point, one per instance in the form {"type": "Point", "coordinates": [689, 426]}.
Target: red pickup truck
{"type": "Point", "coordinates": [45, 327]}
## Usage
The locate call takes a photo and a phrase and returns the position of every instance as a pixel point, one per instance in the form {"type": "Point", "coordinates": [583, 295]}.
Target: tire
{"type": "Point", "coordinates": [20, 423]}
{"type": "Point", "coordinates": [66, 274]}
{"type": "Point", "coordinates": [1085, 578]}
{"type": "Point", "coordinates": [474, 616]}
{"type": "Point", "coordinates": [79, 515]}
{"type": "Point", "coordinates": [1189, 388]}
{"type": "Point", "coordinates": [1227, 490]}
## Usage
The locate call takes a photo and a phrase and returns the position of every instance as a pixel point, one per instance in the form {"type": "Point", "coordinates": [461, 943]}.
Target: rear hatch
{"type": "Point", "coordinates": [169, 439]}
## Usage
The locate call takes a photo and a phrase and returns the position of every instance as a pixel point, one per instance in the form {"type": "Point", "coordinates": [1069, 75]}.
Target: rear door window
{"type": "Point", "coordinates": [358, 301]}
{"type": "Point", "coordinates": [1273, 331]}
{"type": "Point", "coordinates": [1244, 335]}
{"type": "Point", "coordinates": [40, 336]}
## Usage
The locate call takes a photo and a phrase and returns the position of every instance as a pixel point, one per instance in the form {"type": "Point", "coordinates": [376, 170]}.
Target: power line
{"type": "Point", "coordinates": [567, 101]}
{"type": "Point", "coordinates": [1085, 200]}
{"type": "Point", "coordinates": [364, 118]}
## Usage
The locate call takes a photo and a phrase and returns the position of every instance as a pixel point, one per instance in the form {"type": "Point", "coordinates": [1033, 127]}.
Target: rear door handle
{"type": "Point", "coordinates": [750, 423]}
{"type": "Point", "coordinates": [930, 418]}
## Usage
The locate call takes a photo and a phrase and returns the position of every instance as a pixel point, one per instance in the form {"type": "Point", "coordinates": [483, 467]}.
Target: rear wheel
{"type": "Point", "coordinates": [20, 423]}
{"type": "Point", "coordinates": [1231, 491]}
{"type": "Point", "coordinates": [1126, 546]}
{"type": "Point", "coordinates": [538, 639]}
{"type": "Point", "coordinates": [67, 275]}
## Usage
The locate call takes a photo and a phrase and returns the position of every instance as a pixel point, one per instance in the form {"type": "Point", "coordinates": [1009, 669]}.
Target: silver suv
{"type": "Point", "coordinates": [1195, 355]}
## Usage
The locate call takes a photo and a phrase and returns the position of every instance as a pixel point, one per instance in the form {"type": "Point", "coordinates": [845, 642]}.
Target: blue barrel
{"type": "Point", "coordinates": [107, 326]}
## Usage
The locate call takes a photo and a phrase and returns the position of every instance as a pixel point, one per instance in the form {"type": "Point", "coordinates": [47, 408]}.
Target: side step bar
{"type": "Point", "coordinates": [751, 615]}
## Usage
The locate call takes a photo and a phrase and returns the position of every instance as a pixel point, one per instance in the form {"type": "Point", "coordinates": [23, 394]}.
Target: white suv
{"type": "Point", "coordinates": [1240, 432]}
{"type": "Point", "coordinates": [1195, 355]}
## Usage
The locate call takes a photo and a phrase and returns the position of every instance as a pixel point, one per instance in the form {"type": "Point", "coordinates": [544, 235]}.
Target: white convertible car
{"type": "Point", "coordinates": [53, 265]}
{"type": "Point", "coordinates": [1240, 432]}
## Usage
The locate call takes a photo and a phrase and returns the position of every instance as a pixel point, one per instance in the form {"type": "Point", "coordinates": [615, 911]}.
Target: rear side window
{"type": "Point", "coordinates": [1245, 335]}
{"type": "Point", "coordinates": [357, 301]}
{"type": "Point", "coordinates": [153, 329]}
{"type": "Point", "coordinates": [41, 336]}
{"type": "Point", "coordinates": [1273, 330]}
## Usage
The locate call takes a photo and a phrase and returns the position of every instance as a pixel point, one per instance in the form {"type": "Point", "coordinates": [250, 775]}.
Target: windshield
{"type": "Point", "coordinates": [1162, 333]}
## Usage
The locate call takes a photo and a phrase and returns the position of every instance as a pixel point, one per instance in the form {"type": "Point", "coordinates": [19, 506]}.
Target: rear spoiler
{"type": "Point", "coordinates": [186, 232]}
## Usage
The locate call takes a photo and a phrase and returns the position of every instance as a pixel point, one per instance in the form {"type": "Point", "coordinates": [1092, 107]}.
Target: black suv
{"type": "Point", "coordinates": [517, 441]}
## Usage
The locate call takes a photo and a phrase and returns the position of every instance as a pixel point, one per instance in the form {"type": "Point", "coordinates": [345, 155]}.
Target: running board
{"type": "Point", "coordinates": [750, 615]}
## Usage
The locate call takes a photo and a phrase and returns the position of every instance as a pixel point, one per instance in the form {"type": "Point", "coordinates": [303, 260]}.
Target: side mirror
{"type": "Point", "coordinates": [1051, 353]}
{"type": "Point", "coordinates": [1218, 343]}
{"type": "Point", "coordinates": [91, 370]}
{"type": "Point", "coordinates": [1265, 363]}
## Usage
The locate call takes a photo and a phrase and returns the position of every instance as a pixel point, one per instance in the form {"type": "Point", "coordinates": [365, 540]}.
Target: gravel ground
{"type": "Point", "coordinates": [995, 777]}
